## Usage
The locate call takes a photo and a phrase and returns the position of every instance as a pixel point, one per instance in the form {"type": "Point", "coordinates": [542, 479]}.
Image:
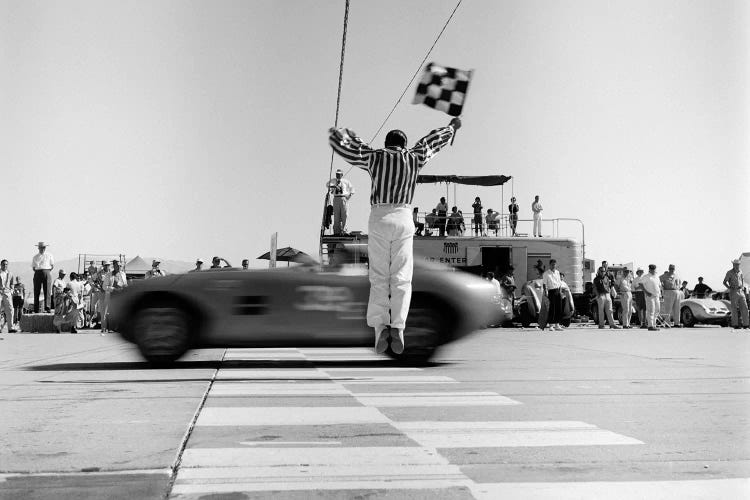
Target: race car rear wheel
{"type": "Point", "coordinates": [687, 317]}
{"type": "Point", "coordinates": [162, 333]}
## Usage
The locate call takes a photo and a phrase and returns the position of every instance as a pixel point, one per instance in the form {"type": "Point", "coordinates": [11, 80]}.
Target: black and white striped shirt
{"type": "Point", "coordinates": [393, 170]}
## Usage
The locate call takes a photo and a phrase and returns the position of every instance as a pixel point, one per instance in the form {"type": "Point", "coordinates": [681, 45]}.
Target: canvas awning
{"type": "Point", "coordinates": [470, 180]}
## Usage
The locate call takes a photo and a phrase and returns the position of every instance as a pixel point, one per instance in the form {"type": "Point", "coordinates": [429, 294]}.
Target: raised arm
{"type": "Point", "coordinates": [427, 146]}
{"type": "Point", "coordinates": [350, 147]}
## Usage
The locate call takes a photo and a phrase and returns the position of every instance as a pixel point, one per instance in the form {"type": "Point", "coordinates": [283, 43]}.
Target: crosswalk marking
{"type": "Point", "coordinates": [394, 379]}
{"type": "Point", "coordinates": [276, 389]}
{"type": "Point", "coordinates": [703, 489]}
{"type": "Point", "coordinates": [412, 399]}
{"type": "Point", "coordinates": [267, 458]}
{"type": "Point", "coordinates": [284, 415]}
{"type": "Point", "coordinates": [281, 374]}
{"type": "Point", "coordinates": [510, 434]}
{"type": "Point", "coordinates": [366, 457]}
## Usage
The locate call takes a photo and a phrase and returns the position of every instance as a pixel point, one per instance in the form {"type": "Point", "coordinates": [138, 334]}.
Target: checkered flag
{"type": "Point", "coordinates": [443, 88]}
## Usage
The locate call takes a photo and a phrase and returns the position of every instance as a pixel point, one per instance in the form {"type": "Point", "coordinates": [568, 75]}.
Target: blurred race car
{"type": "Point", "coordinates": [705, 310]}
{"type": "Point", "coordinates": [301, 306]}
{"type": "Point", "coordinates": [533, 306]}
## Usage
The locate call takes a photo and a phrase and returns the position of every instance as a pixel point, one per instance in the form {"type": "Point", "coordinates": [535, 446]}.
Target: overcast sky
{"type": "Point", "coordinates": [191, 128]}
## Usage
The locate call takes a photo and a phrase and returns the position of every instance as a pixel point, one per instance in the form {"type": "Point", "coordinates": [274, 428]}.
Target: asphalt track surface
{"type": "Point", "coordinates": [505, 413]}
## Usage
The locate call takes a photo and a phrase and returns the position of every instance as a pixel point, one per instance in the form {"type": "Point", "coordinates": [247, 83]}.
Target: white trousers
{"type": "Point", "coordinates": [626, 301]}
{"type": "Point", "coordinates": [672, 300]}
{"type": "Point", "coordinates": [6, 304]}
{"type": "Point", "coordinates": [340, 210]}
{"type": "Point", "coordinates": [652, 309]}
{"type": "Point", "coordinates": [537, 224]}
{"type": "Point", "coordinates": [390, 249]}
{"type": "Point", "coordinates": [604, 303]}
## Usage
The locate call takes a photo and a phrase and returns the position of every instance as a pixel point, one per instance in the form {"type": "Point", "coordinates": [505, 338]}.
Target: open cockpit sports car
{"type": "Point", "coordinates": [301, 306]}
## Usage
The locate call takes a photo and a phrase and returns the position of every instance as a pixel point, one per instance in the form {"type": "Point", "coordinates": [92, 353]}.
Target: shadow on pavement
{"type": "Point", "coordinates": [216, 364]}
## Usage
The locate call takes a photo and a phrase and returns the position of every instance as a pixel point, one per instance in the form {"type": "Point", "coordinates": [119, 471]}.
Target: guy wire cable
{"type": "Point", "coordinates": [416, 72]}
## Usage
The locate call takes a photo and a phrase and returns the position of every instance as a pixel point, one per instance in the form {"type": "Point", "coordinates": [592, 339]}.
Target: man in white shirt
{"type": "Point", "coordinates": [551, 285]}
{"type": "Point", "coordinates": [42, 264]}
{"type": "Point", "coordinates": [119, 278]}
{"type": "Point", "coordinates": [6, 294]}
{"type": "Point", "coordinates": [341, 190]}
{"type": "Point", "coordinates": [536, 207]}
{"type": "Point", "coordinates": [58, 287]}
{"type": "Point", "coordinates": [495, 283]}
{"type": "Point", "coordinates": [154, 272]}
{"type": "Point", "coordinates": [651, 286]}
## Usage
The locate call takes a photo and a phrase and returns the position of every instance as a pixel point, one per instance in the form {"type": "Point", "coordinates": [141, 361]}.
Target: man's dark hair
{"type": "Point", "coordinates": [395, 138]}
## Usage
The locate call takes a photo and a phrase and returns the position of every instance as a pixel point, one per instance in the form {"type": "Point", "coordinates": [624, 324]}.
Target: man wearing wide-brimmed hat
{"type": "Point", "coordinates": [735, 282]}
{"type": "Point", "coordinates": [42, 264]}
{"type": "Point", "coordinates": [341, 190]}
{"type": "Point", "coordinates": [154, 272]}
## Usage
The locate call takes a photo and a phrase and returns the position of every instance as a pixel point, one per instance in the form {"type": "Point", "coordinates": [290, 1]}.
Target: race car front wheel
{"type": "Point", "coordinates": [162, 333]}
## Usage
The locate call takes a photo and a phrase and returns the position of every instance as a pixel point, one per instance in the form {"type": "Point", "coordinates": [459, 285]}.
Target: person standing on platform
{"type": "Point", "coordinates": [513, 215]}
{"type": "Point", "coordinates": [341, 190]}
{"type": "Point", "coordinates": [107, 287]}
{"type": "Point", "coordinates": [551, 286]}
{"type": "Point", "coordinates": [442, 211]}
{"type": "Point", "coordinates": [536, 207]}
{"type": "Point", "coordinates": [42, 264]}
{"type": "Point", "coordinates": [119, 278]}
{"type": "Point", "coordinates": [393, 171]}
{"type": "Point", "coordinates": [418, 225]}
{"type": "Point", "coordinates": [735, 282]}
{"type": "Point", "coordinates": [478, 226]}
{"type": "Point", "coordinates": [670, 283]}
{"type": "Point", "coordinates": [651, 286]}
{"type": "Point", "coordinates": [625, 290]}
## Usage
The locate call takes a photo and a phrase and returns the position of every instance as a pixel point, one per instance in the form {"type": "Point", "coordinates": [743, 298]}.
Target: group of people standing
{"type": "Point", "coordinates": [644, 292]}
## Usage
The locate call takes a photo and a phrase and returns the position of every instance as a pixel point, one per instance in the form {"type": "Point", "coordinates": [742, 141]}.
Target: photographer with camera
{"type": "Point", "coordinates": [341, 190]}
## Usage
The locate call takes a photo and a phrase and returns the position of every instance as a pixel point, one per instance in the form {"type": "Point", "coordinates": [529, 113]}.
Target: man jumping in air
{"type": "Point", "coordinates": [393, 171]}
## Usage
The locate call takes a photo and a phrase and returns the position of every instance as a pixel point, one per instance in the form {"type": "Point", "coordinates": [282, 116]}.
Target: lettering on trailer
{"type": "Point", "coordinates": [447, 260]}
{"type": "Point", "coordinates": [450, 247]}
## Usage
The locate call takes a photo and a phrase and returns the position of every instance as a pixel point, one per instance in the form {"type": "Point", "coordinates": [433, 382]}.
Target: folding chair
{"type": "Point", "coordinates": [662, 319]}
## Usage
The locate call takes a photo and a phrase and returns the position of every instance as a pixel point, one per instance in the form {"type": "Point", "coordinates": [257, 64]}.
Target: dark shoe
{"type": "Point", "coordinates": [47, 310]}
{"type": "Point", "coordinates": [12, 330]}
{"type": "Point", "coordinates": [652, 329]}
{"type": "Point", "coordinates": [73, 330]}
{"type": "Point", "coordinates": [644, 326]}
{"type": "Point", "coordinates": [381, 339]}
{"type": "Point", "coordinates": [601, 327]}
{"type": "Point", "coordinates": [397, 341]}
{"type": "Point", "coordinates": [678, 326]}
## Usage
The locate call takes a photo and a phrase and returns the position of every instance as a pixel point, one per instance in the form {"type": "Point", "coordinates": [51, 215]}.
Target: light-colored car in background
{"type": "Point", "coordinates": [706, 310]}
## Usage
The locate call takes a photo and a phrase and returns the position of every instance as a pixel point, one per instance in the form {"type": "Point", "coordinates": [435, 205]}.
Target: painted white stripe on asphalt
{"type": "Point", "coordinates": [343, 351]}
{"type": "Point", "coordinates": [262, 349]}
{"type": "Point", "coordinates": [308, 485]}
{"type": "Point", "coordinates": [411, 399]}
{"type": "Point", "coordinates": [366, 459]}
{"type": "Point", "coordinates": [374, 369]}
{"type": "Point", "coordinates": [359, 357]}
{"type": "Point", "coordinates": [275, 444]}
{"type": "Point", "coordinates": [262, 356]}
{"type": "Point", "coordinates": [250, 374]}
{"type": "Point", "coordinates": [394, 379]}
{"type": "Point", "coordinates": [220, 416]}
{"type": "Point", "coordinates": [275, 389]}
{"type": "Point", "coordinates": [703, 489]}
{"type": "Point", "coordinates": [510, 434]}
